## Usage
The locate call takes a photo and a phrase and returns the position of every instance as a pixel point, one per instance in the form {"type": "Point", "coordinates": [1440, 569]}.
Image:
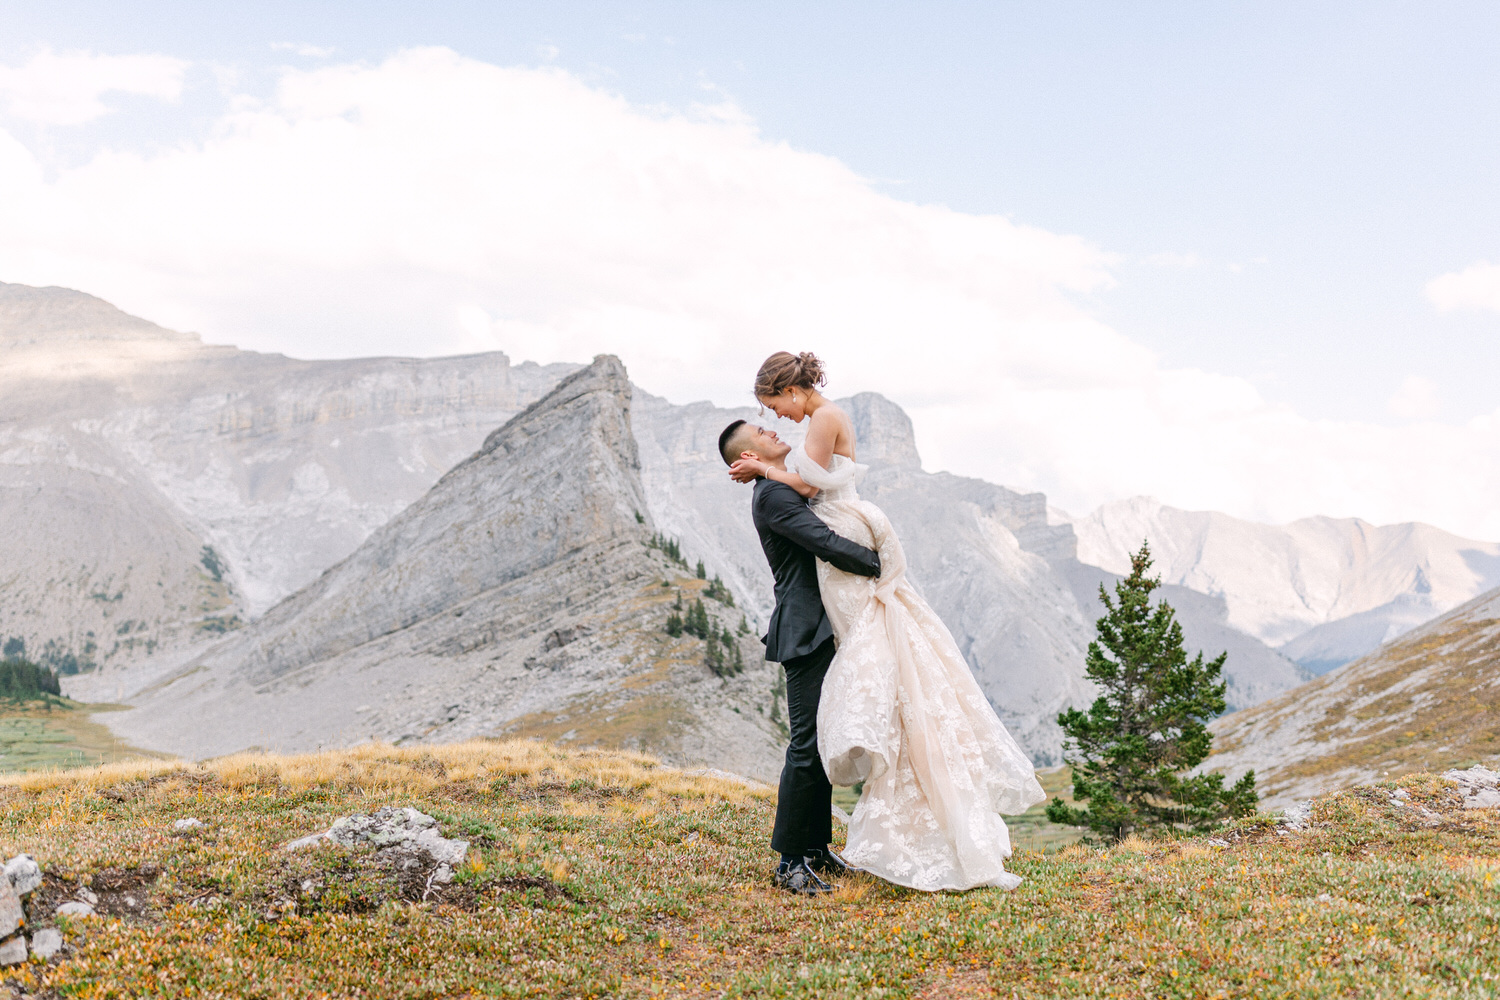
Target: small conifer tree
{"type": "Point", "coordinates": [702, 570]}
{"type": "Point", "coordinates": [1148, 725]}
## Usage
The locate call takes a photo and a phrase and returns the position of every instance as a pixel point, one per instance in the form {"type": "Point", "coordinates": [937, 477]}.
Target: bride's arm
{"type": "Point", "coordinates": [747, 469]}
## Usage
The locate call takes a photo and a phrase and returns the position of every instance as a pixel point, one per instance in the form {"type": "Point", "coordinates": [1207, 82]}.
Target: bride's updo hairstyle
{"type": "Point", "coordinates": [783, 371]}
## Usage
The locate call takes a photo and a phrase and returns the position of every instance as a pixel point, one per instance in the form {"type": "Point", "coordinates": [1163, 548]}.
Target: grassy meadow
{"type": "Point", "coordinates": [597, 874]}
{"type": "Point", "coordinates": [56, 733]}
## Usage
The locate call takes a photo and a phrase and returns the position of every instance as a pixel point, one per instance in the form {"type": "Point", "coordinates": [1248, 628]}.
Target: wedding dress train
{"type": "Point", "coordinates": [901, 712]}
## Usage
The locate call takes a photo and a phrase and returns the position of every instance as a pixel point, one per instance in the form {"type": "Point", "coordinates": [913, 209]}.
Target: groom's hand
{"type": "Point", "coordinates": [747, 469]}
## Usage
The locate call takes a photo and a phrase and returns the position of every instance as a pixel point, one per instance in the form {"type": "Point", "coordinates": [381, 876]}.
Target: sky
{"type": "Point", "coordinates": [1242, 257]}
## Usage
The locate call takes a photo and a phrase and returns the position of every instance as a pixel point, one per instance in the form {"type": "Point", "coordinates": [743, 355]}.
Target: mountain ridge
{"type": "Point", "coordinates": [520, 592]}
{"type": "Point", "coordinates": [1323, 590]}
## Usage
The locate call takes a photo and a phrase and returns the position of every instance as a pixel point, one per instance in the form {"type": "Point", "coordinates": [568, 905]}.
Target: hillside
{"type": "Point", "coordinates": [605, 875]}
{"type": "Point", "coordinates": [1424, 702]}
{"type": "Point", "coordinates": [158, 491]}
{"type": "Point", "coordinates": [1322, 590]}
{"type": "Point", "coordinates": [519, 595]}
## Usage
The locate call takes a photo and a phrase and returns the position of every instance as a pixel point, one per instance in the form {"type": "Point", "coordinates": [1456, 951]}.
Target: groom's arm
{"type": "Point", "coordinates": [787, 514]}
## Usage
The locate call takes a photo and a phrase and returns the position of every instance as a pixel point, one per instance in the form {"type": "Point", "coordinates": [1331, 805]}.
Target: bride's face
{"type": "Point", "coordinates": [791, 404]}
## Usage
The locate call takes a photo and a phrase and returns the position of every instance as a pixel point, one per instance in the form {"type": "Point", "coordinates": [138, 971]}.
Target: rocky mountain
{"type": "Point", "coordinates": [520, 595]}
{"type": "Point", "coordinates": [1003, 577]}
{"type": "Point", "coordinates": [1428, 700]}
{"type": "Point", "coordinates": [157, 491]}
{"type": "Point", "coordinates": [168, 491]}
{"type": "Point", "coordinates": [1322, 590]}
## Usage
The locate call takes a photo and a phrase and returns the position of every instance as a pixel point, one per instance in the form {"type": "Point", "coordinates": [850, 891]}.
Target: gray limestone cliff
{"type": "Point", "coordinates": [158, 491]}
{"type": "Point", "coordinates": [519, 595]}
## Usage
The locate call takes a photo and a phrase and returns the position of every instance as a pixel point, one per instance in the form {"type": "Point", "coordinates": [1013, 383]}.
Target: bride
{"type": "Point", "coordinates": [900, 710]}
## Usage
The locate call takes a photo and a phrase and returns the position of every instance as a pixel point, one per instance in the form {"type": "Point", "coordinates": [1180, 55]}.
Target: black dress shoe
{"type": "Point", "coordinates": [800, 879]}
{"type": "Point", "coordinates": [825, 861]}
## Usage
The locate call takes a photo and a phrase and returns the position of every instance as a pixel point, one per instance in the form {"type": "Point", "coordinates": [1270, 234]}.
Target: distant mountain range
{"type": "Point", "coordinates": [261, 551]}
{"type": "Point", "coordinates": [1322, 590]}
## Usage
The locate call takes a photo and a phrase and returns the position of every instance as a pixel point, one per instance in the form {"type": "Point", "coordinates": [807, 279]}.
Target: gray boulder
{"type": "Point", "coordinates": [46, 943]}
{"type": "Point", "coordinates": [75, 908]}
{"type": "Point", "coordinates": [399, 835]}
{"type": "Point", "coordinates": [23, 874]}
{"type": "Point", "coordinates": [11, 914]}
{"type": "Point", "coordinates": [1480, 786]}
{"type": "Point", "coordinates": [13, 951]}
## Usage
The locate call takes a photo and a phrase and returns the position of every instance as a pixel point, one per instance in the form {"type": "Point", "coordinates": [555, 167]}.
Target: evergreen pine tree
{"type": "Point", "coordinates": [1148, 725]}
{"type": "Point", "coordinates": [744, 628]}
{"type": "Point", "coordinates": [697, 620]}
{"type": "Point", "coordinates": [674, 625]}
{"type": "Point", "coordinates": [702, 571]}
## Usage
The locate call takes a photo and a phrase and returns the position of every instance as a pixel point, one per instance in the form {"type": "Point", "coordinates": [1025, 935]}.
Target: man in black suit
{"type": "Point", "coordinates": [800, 638]}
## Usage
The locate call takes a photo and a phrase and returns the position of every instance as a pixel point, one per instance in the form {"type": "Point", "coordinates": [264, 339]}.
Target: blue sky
{"type": "Point", "coordinates": [1272, 187]}
{"type": "Point", "coordinates": [1337, 155]}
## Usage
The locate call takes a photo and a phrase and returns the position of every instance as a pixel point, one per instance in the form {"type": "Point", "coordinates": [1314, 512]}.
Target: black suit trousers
{"type": "Point", "coordinates": [804, 813]}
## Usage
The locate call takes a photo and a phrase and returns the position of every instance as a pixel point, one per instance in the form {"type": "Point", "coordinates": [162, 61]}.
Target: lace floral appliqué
{"type": "Point", "coordinates": [901, 712]}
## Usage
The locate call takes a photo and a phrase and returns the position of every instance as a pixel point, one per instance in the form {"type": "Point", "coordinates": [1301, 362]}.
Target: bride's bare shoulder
{"type": "Point", "coordinates": [831, 420]}
{"type": "Point", "coordinates": [830, 412]}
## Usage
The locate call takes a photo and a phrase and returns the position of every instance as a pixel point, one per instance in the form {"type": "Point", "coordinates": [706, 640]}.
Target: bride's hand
{"type": "Point", "coordinates": [747, 470]}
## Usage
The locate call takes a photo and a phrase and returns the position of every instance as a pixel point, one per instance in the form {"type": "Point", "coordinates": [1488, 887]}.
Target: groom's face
{"type": "Point", "coordinates": [766, 445]}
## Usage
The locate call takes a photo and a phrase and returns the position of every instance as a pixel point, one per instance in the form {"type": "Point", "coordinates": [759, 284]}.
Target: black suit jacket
{"type": "Point", "coordinates": [793, 538]}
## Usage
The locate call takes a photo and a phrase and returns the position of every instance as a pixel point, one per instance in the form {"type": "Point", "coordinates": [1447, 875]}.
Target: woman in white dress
{"type": "Point", "coordinates": [900, 709]}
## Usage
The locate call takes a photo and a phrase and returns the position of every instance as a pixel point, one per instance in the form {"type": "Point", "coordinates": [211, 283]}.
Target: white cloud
{"type": "Point", "coordinates": [435, 204]}
{"type": "Point", "coordinates": [1475, 287]}
{"type": "Point", "coordinates": [66, 88]}
{"type": "Point", "coordinates": [1415, 399]}
{"type": "Point", "coordinates": [304, 49]}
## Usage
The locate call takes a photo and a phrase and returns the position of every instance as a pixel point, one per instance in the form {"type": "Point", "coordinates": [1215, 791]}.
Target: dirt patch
{"type": "Point", "coordinates": [129, 791]}
{"type": "Point", "coordinates": [950, 985]}
{"type": "Point", "coordinates": [520, 883]}
{"type": "Point", "coordinates": [119, 892]}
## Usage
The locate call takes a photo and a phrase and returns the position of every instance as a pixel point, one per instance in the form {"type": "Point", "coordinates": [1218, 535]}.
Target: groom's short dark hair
{"type": "Point", "coordinates": [727, 439]}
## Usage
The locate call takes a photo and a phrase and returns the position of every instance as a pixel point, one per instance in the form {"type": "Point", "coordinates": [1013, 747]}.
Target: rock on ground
{"type": "Point", "coordinates": [395, 831]}
{"type": "Point", "coordinates": [23, 874]}
{"type": "Point", "coordinates": [11, 914]}
{"type": "Point", "coordinates": [46, 943]}
{"type": "Point", "coordinates": [13, 951]}
{"type": "Point", "coordinates": [75, 909]}
{"type": "Point", "coordinates": [1480, 787]}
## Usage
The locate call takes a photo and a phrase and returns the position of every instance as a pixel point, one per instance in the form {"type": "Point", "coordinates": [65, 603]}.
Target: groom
{"type": "Point", "coordinates": [800, 638]}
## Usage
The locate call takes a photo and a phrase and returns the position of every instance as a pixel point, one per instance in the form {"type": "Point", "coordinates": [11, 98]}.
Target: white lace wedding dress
{"type": "Point", "coordinates": [901, 712]}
